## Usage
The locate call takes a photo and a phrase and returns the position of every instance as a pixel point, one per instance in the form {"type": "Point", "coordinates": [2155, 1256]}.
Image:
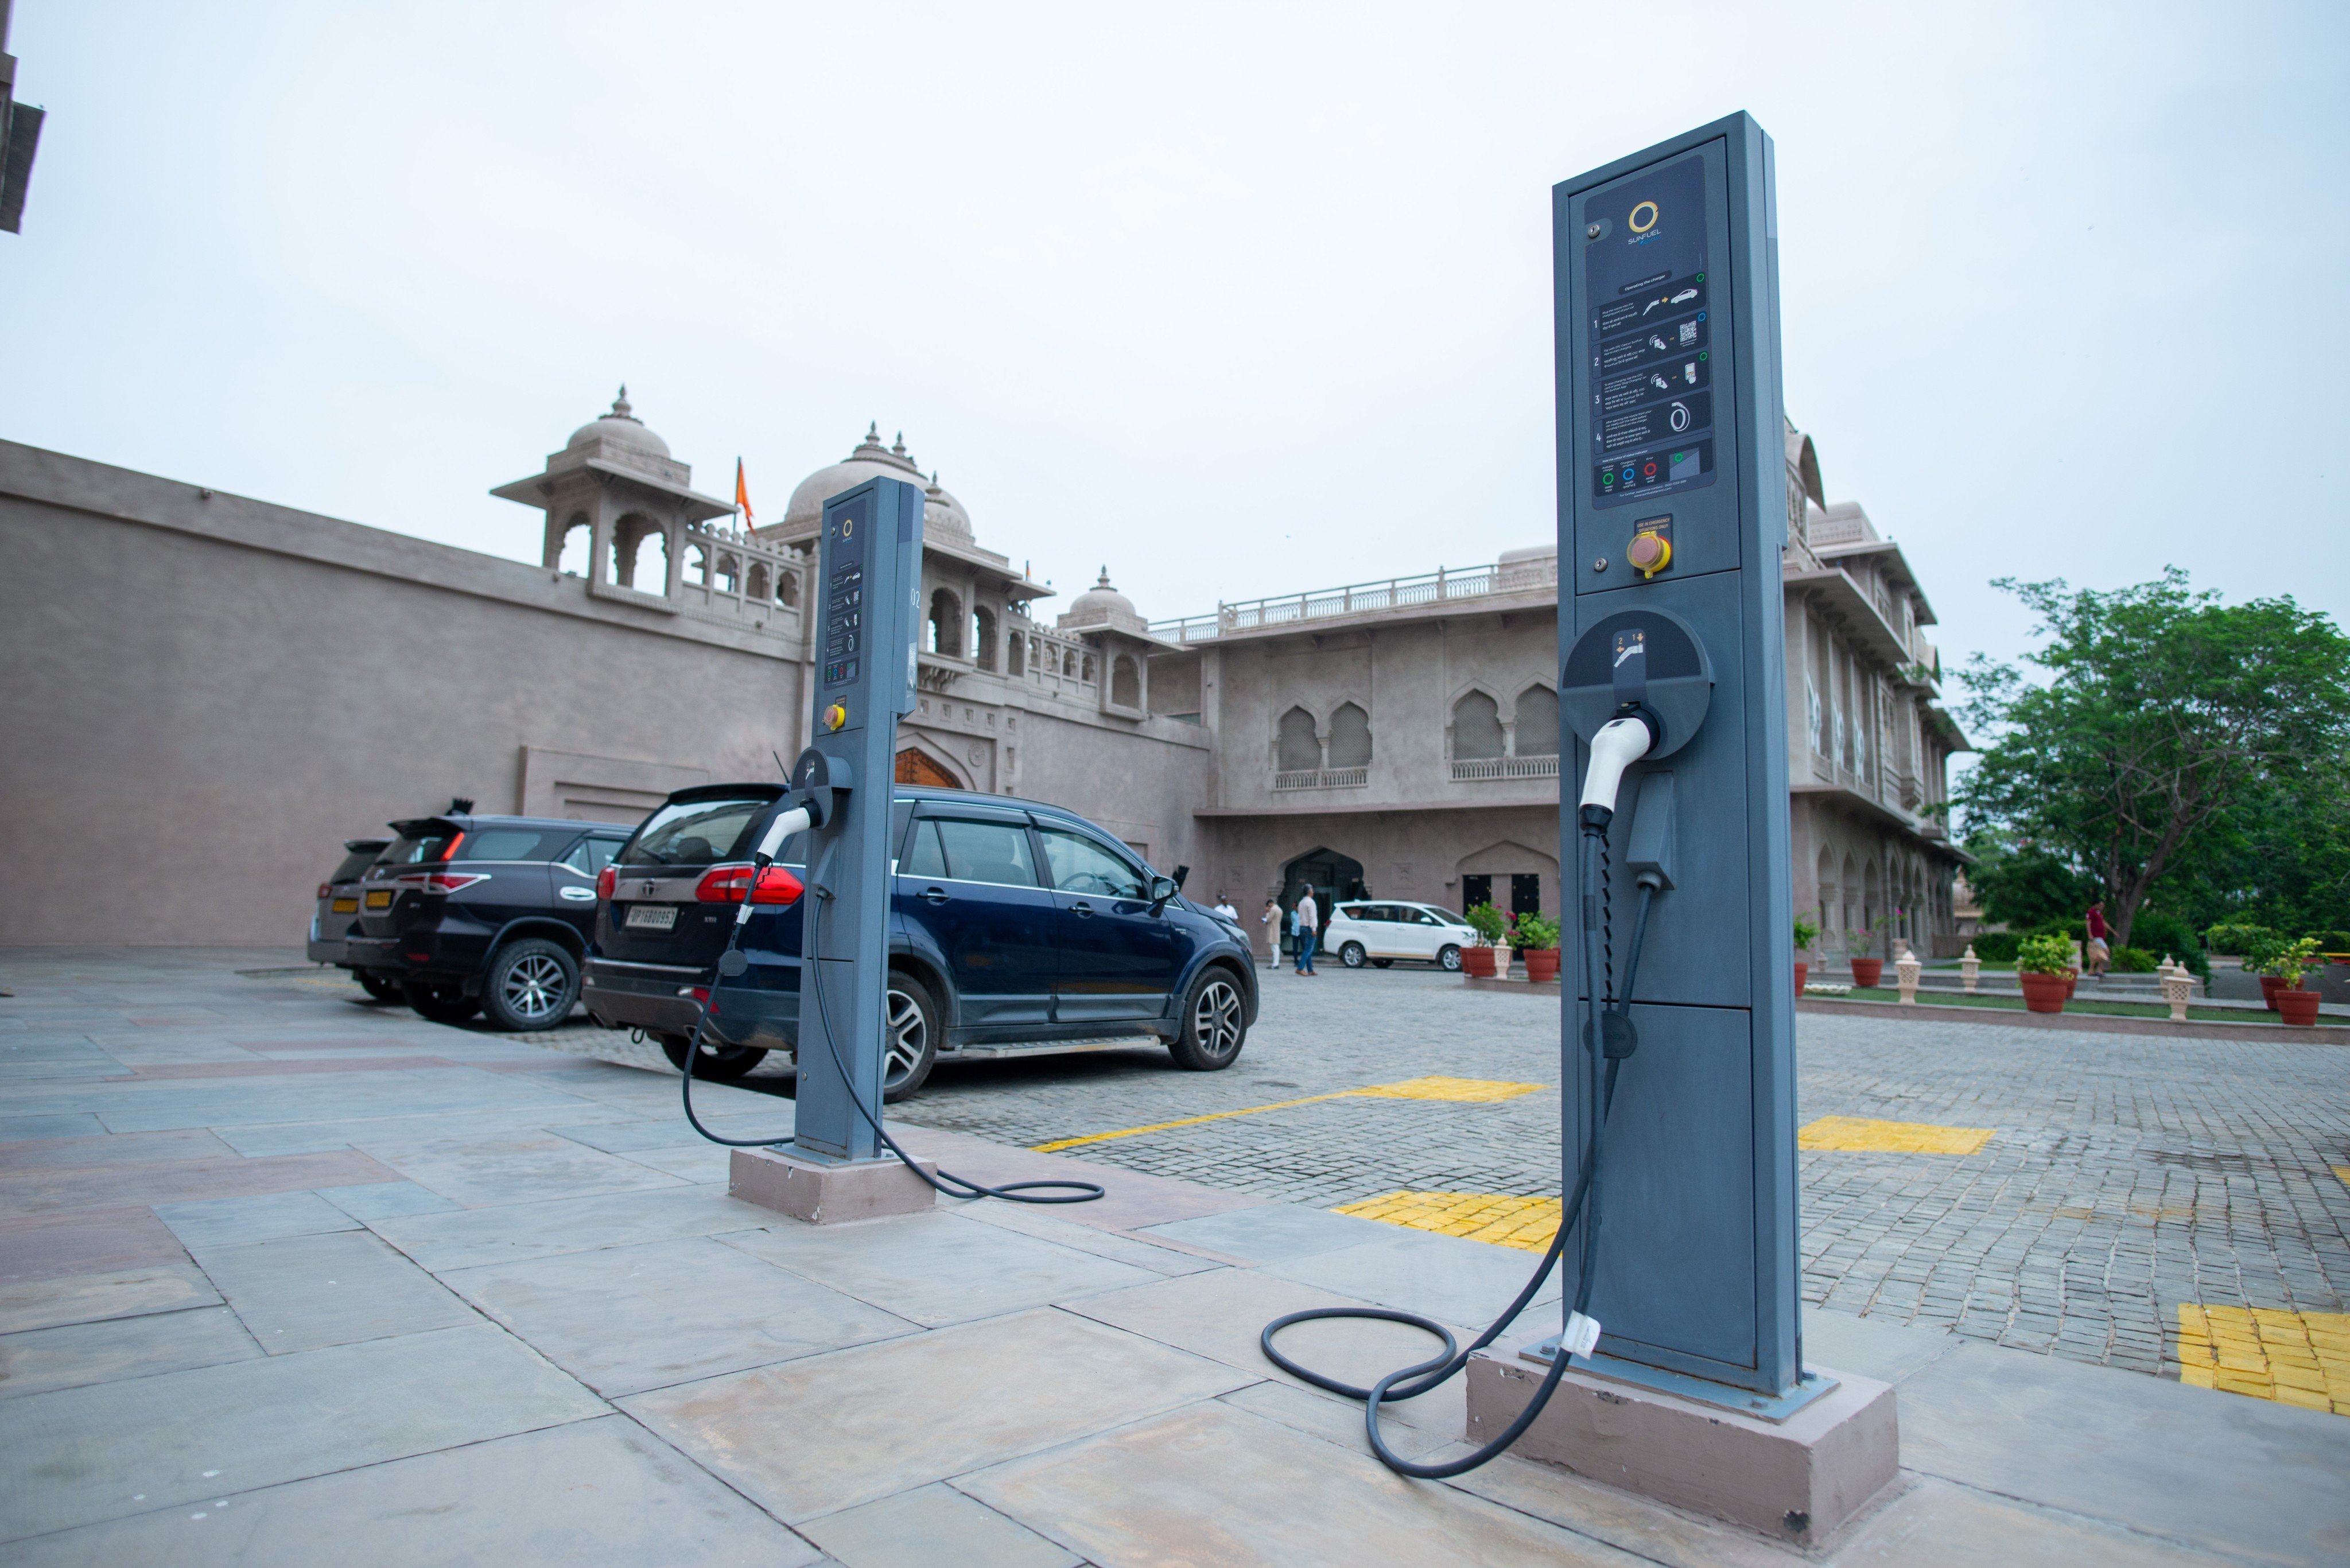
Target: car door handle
{"type": "Point", "coordinates": [933, 895]}
{"type": "Point", "coordinates": [1083, 911]}
{"type": "Point", "coordinates": [577, 895]}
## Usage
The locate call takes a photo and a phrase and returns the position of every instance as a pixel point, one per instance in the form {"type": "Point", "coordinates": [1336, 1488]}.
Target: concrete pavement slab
{"type": "Point", "coordinates": [88, 1298]}
{"type": "Point", "coordinates": [934, 1268]}
{"type": "Point", "coordinates": [814, 1436]}
{"type": "Point", "coordinates": [76, 1355]}
{"type": "Point", "coordinates": [312, 1136]}
{"type": "Point", "coordinates": [1639, 1525]}
{"type": "Point", "coordinates": [916, 1529]}
{"type": "Point", "coordinates": [136, 1106]}
{"type": "Point", "coordinates": [1131, 1200]}
{"type": "Point", "coordinates": [480, 1171]}
{"type": "Point", "coordinates": [688, 1162]}
{"type": "Point", "coordinates": [1274, 1232]}
{"type": "Point", "coordinates": [474, 1237]}
{"type": "Point", "coordinates": [1938, 1525]}
{"type": "Point", "coordinates": [103, 1150]}
{"type": "Point", "coordinates": [2242, 1476]}
{"type": "Point", "coordinates": [224, 1221]}
{"type": "Point", "coordinates": [592, 1494]}
{"type": "Point", "coordinates": [182, 1180]}
{"type": "Point", "coordinates": [1337, 1420]}
{"type": "Point", "coordinates": [1886, 1351]}
{"type": "Point", "coordinates": [623, 1320]}
{"type": "Point", "coordinates": [1217, 1486]}
{"type": "Point", "coordinates": [1442, 1277]}
{"type": "Point", "coordinates": [301, 1293]}
{"type": "Point", "coordinates": [84, 1241]}
{"type": "Point", "coordinates": [628, 1136]}
{"type": "Point", "coordinates": [76, 1456]}
{"type": "Point", "coordinates": [81, 1124]}
{"type": "Point", "coordinates": [1047, 1226]}
{"type": "Point", "coordinates": [386, 1201]}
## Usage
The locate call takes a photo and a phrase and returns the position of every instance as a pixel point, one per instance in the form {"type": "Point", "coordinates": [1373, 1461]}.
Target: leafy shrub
{"type": "Point", "coordinates": [2230, 937]}
{"type": "Point", "coordinates": [1806, 934]}
{"type": "Point", "coordinates": [2043, 955]}
{"type": "Point", "coordinates": [2159, 934]}
{"type": "Point", "coordinates": [1997, 947]}
{"type": "Point", "coordinates": [2288, 962]}
{"type": "Point", "coordinates": [2132, 960]}
{"type": "Point", "coordinates": [2332, 942]}
{"type": "Point", "coordinates": [1535, 932]}
{"type": "Point", "coordinates": [1487, 922]}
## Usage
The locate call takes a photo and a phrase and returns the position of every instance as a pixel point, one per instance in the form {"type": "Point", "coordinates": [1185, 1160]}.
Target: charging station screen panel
{"type": "Point", "coordinates": [845, 604]}
{"type": "Point", "coordinates": [1650, 328]}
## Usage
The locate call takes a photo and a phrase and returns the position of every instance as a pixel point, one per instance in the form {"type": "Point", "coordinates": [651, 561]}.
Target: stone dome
{"type": "Point", "coordinates": [804, 514]}
{"type": "Point", "coordinates": [1529, 552]}
{"type": "Point", "coordinates": [621, 428]}
{"type": "Point", "coordinates": [1101, 604]}
{"type": "Point", "coordinates": [943, 516]}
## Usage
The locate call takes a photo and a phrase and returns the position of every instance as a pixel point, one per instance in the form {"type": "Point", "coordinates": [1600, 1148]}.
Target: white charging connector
{"type": "Point", "coordinates": [1620, 743]}
{"type": "Point", "coordinates": [796, 820]}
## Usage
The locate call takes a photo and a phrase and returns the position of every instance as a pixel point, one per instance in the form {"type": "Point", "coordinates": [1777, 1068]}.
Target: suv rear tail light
{"type": "Point", "coordinates": [608, 879]}
{"type": "Point", "coordinates": [325, 890]}
{"type": "Point", "coordinates": [440, 881]}
{"type": "Point", "coordinates": [725, 884]}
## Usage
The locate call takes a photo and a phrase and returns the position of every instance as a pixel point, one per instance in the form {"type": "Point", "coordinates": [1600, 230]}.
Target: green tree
{"type": "Point", "coordinates": [2164, 718]}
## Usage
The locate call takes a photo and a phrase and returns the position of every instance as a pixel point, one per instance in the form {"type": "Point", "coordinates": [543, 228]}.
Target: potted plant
{"type": "Point", "coordinates": [2288, 964]}
{"type": "Point", "coordinates": [1538, 941]}
{"type": "Point", "coordinates": [1486, 921]}
{"type": "Point", "coordinates": [2040, 966]}
{"type": "Point", "coordinates": [1866, 968]}
{"type": "Point", "coordinates": [2263, 948]}
{"type": "Point", "coordinates": [1806, 934]}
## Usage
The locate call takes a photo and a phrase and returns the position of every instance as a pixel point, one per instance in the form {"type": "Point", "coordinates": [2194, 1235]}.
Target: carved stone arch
{"type": "Point", "coordinates": [1535, 726]}
{"type": "Point", "coordinates": [1498, 864]}
{"type": "Point", "coordinates": [578, 526]}
{"type": "Point", "coordinates": [626, 568]}
{"type": "Point", "coordinates": [1472, 723]}
{"type": "Point", "coordinates": [1296, 740]}
{"type": "Point", "coordinates": [757, 586]}
{"type": "Point", "coordinates": [1347, 740]}
{"type": "Point", "coordinates": [921, 760]}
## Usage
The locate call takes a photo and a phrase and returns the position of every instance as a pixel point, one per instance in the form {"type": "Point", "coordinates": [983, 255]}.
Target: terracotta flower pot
{"type": "Point", "coordinates": [2295, 1006]}
{"type": "Point", "coordinates": [2044, 993]}
{"type": "Point", "coordinates": [1802, 970]}
{"type": "Point", "coordinates": [1477, 961]}
{"type": "Point", "coordinates": [1542, 963]}
{"type": "Point", "coordinates": [2270, 985]}
{"type": "Point", "coordinates": [1867, 970]}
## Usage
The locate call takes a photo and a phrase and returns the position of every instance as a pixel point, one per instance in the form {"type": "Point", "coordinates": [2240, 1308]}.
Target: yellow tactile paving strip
{"type": "Point", "coordinates": [2292, 1357]}
{"type": "Point", "coordinates": [1461, 1091]}
{"type": "Point", "coordinates": [1858, 1135]}
{"type": "Point", "coordinates": [2343, 1172]}
{"type": "Point", "coordinates": [1526, 1223]}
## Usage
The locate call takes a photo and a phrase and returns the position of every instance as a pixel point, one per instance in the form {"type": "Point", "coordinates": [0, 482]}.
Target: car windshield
{"type": "Point", "coordinates": [418, 849]}
{"type": "Point", "coordinates": [1081, 865]}
{"type": "Point", "coordinates": [516, 843]}
{"type": "Point", "coordinates": [695, 833]}
{"type": "Point", "coordinates": [355, 862]}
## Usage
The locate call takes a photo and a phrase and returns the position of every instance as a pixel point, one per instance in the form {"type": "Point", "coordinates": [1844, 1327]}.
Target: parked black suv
{"type": "Point", "coordinates": [483, 913]}
{"type": "Point", "coordinates": [337, 917]}
{"type": "Point", "coordinates": [987, 957]}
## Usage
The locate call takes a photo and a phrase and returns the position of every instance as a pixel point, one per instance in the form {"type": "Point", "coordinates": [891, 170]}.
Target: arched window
{"type": "Point", "coordinates": [730, 571]}
{"type": "Point", "coordinates": [1015, 650]}
{"type": "Point", "coordinates": [572, 557]}
{"type": "Point", "coordinates": [697, 565]}
{"type": "Point", "coordinates": [1296, 748]}
{"type": "Point", "coordinates": [983, 638]}
{"type": "Point", "coordinates": [787, 586]}
{"type": "Point", "coordinates": [1069, 663]}
{"type": "Point", "coordinates": [946, 624]}
{"type": "Point", "coordinates": [1350, 737]}
{"type": "Point", "coordinates": [633, 566]}
{"type": "Point", "coordinates": [758, 586]}
{"type": "Point", "coordinates": [1538, 722]}
{"type": "Point", "coordinates": [1476, 728]}
{"type": "Point", "coordinates": [1126, 682]}
{"type": "Point", "coordinates": [1086, 672]}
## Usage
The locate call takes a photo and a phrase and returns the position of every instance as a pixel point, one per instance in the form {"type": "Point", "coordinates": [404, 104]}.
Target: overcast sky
{"type": "Point", "coordinates": [1238, 300]}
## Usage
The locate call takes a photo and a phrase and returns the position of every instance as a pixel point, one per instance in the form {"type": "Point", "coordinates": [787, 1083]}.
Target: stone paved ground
{"type": "Point", "coordinates": [2127, 1176]}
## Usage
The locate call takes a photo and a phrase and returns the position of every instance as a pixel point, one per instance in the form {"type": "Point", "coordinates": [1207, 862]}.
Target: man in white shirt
{"type": "Point", "coordinates": [1225, 908]}
{"type": "Point", "coordinates": [1309, 930]}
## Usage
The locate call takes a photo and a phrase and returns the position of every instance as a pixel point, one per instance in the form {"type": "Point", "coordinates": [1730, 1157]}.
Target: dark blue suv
{"type": "Point", "coordinates": [1014, 928]}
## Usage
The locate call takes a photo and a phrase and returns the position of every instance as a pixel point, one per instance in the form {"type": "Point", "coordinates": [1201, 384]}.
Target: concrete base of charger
{"type": "Point", "coordinates": [1796, 1480]}
{"type": "Point", "coordinates": [828, 1194]}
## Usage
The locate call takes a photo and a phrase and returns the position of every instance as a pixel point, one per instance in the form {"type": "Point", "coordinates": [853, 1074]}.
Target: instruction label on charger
{"type": "Point", "coordinates": [1646, 298]}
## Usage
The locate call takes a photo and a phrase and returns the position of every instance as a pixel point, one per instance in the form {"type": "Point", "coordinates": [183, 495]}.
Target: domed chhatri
{"type": "Point", "coordinates": [1102, 605]}
{"type": "Point", "coordinates": [943, 516]}
{"type": "Point", "coordinates": [621, 428]}
{"type": "Point", "coordinates": [804, 514]}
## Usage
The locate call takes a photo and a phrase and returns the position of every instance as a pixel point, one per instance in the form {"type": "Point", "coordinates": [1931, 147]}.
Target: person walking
{"type": "Point", "coordinates": [1309, 930]}
{"type": "Point", "coordinates": [2099, 951]}
{"type": "Point", "coordinates": [1270, 920]}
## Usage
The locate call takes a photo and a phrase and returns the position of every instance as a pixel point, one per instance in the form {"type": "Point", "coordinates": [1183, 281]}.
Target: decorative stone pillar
{"type": "Point", "coordinates": [1905, 970]}
{"type": "Point", "coordinates": [1971, 969]}
{"type": "Point", "coordinates": [2177, 987]}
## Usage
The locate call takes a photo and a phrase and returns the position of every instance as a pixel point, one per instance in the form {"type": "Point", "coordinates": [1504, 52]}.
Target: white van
{"type": "Point", "coordinates": [1363, 930]}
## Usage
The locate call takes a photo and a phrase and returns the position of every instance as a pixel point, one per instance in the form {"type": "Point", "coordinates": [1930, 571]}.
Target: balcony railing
{"type": "Point", "coordinates": [1322, 778]}
{"type": "Point", "coordinates": [1444, 586]}
{"type": "Point", "coordinates": [1469, 770]}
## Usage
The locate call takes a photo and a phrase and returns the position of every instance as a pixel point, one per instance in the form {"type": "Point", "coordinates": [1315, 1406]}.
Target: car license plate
{"type": "Point", "coordinates": [379, 900]}
{"type": "Point", "coordinates": [345, 905]}
{"type": "Point", "coordinates": [651, 916]}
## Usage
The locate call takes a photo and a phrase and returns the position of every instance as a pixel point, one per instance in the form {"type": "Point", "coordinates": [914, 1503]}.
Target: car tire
{"type": "Point", "coordinates": [1383, 963]}
{"type": "Point", "coordinates": [1215, 1023]}
{"type": "Point", "coordinates": [442, 1002]}
{"type": "Point", "coordinates": [1352, 956]}
{"type": "Point", "coordinates": [382, 987]}
{"type": "Point", "coordinates": [531, 983]}
{"type": "Point", "coordinates": [718, 1063]}
{"type": "Point", "coordinates": [912, 1046]}
{"type": "Point", "coordinates": [1449, 958]}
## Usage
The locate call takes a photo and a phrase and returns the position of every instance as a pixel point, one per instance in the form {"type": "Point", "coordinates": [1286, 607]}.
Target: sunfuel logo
{"type": "Point", "coordinates": [1642, 221]}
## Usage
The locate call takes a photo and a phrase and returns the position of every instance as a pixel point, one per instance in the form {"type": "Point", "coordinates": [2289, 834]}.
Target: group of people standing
{"type": "Point", "coordinates": [1300, 926]}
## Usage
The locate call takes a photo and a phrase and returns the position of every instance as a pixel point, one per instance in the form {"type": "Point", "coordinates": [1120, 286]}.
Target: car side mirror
{"type": "Point", "coordinates": [1161, 889]}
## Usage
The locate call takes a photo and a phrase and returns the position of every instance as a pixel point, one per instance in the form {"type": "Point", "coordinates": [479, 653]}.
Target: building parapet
{"type": "Point", "coordinates": [1446, 585]}
{"type": "Point", "coordinates": [1475, 770]}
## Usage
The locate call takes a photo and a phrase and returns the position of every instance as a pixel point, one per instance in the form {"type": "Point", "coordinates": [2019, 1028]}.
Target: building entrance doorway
{"type": "Point", "coordinates": [1331, 875]}
{"type": "Point", "coordinates": [914, 768]}
{"type": "Point", "coordinates": [1525, 891]}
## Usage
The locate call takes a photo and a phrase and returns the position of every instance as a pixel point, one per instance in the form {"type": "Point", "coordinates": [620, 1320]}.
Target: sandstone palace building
{"type": "Point", "coordinates": [231, 688]}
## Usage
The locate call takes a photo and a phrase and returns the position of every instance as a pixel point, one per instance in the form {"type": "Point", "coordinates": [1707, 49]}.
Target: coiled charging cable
{"type": "Point", "coordinates": [1583, 1203]}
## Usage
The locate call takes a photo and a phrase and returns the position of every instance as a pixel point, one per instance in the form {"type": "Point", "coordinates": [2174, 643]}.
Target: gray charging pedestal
{"type": "Point", "coordinates": [1672, 515]}
{"type": "Point", "coordinates": [868, 587]}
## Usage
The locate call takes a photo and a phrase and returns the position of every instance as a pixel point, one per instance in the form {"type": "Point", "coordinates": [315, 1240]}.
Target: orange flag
{"type": "Point", "coordinates": [741, 494]}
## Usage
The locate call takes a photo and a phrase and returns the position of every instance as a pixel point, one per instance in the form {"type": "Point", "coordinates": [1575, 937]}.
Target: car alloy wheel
{"type": "Point", "coordinates": [1352, 956]}
{"type": "Point", "coordinates": [531, 983]}
{"type": "Point", "coordinates": [909, 1038]}
{"type": "Point", "coordinates": [532, 986]}
{"type": "Point", "coordinates": [1449, 958]}
{"type": "Point", "coordinates": [1214, 1024]}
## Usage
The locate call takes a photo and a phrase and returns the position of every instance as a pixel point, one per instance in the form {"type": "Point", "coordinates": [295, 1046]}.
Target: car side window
{"type": "Point", "coordinates": [590, 856]}
{"type": "Point", "coordinates": [986, 851]}
{"type": "Point", "coordinates": [1081, 865]}
{"type": "Point", "coordinates": [1421, 917]}
{"type": "Point", "coordinates": [923, 856]}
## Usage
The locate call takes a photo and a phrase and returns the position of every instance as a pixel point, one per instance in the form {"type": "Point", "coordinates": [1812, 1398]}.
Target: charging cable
{"type": "Point", "coordinates": [1607, 1040]}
